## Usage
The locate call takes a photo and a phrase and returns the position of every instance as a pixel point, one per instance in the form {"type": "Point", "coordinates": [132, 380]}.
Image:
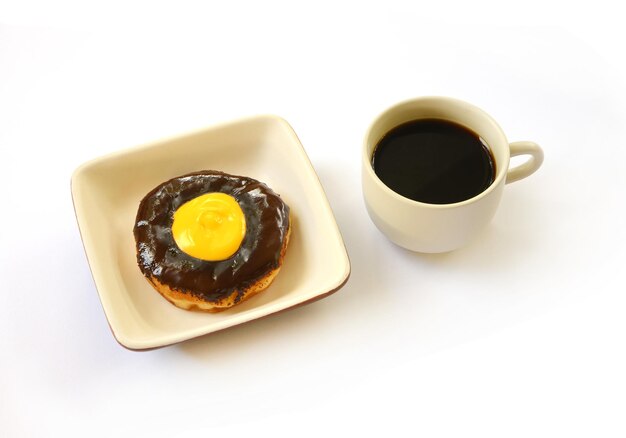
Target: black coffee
{"type": "Point", "coordinates": [434, 161]}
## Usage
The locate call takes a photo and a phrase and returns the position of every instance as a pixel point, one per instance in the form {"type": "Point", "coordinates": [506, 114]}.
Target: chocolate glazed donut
{"type": "Point", "coordinates": [177, 275]}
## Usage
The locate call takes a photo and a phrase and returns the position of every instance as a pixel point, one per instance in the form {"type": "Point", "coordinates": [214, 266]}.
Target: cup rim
{"type": "Point", "coordinates": [367, 163]}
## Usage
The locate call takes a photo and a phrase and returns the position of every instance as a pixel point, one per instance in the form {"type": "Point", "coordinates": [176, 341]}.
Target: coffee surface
{"type": "Point", "coordinates": [434, 161]}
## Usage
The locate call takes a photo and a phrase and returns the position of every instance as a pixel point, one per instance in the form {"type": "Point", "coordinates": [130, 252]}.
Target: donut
{"type": "Point", "coordinates": [209, 240]}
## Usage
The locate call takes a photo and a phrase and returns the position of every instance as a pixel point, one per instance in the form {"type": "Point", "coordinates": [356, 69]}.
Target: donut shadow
{"type": "Point", "coordinates": [358, 298]}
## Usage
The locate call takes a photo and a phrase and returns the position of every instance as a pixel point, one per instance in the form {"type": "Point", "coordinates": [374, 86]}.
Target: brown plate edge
{"type": "Point", "coordinates": [303, 303]}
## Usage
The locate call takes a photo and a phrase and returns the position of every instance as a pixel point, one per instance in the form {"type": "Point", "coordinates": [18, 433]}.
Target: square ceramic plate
{"type": "Point", "coordinates": [107, 192]}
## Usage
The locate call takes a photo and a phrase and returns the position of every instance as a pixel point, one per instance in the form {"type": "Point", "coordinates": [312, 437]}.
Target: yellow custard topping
{"type": "Point", "coordinates": [210, 227]}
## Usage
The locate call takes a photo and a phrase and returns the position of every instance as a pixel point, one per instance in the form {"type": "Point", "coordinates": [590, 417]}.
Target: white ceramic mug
{"type": "Point", "coordinates": [434, 228]}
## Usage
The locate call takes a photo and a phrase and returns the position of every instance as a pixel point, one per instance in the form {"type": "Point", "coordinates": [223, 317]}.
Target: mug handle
{"type": "Point", "coordinates": [530, 166]}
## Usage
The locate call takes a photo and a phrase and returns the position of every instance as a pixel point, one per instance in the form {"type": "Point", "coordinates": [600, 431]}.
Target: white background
{"type": "Point", "coordinates": [520, 334]}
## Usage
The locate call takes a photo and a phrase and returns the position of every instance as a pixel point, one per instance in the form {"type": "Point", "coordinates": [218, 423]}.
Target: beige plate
{"type": "Point", "coordinates": [106, 194]}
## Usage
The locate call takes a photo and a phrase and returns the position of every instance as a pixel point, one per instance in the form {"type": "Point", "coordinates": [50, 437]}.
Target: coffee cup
{"type": "Point", "coordinates": [440, 227]}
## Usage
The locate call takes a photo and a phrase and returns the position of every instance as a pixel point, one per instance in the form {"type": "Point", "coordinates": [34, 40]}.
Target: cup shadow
{"type": "Point", "coordinates": [505, 242]}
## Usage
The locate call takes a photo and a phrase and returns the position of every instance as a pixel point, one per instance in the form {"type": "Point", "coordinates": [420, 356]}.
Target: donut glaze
{"type": "Point", "coordinates": [158, 256]}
